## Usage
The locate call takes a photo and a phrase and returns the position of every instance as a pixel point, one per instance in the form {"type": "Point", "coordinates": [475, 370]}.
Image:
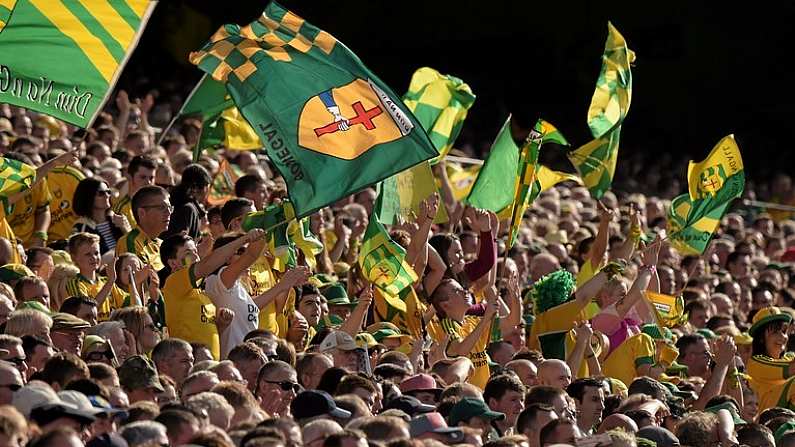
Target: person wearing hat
{"type": "Point", "coordinates": [54, 413]}
{"type": "Point", "coordinates": [389, 335]}
{"type": "Point", "coordinates": [310, 405]}
{"type": "Point", "coordinates": [139, 379]}
{"type": "Point", "coordinates": [409, 405]}
{"type": "Point", "coordinates": [374, 349]}
{"type": "Point", "coordinates": [342, 348]}
{"type": "Point", "coordinates": [473, 412]}
{"type": "Point", "coordinates": [771, 368]}
{"type": "Point", "coordinates": [339, 305]}
{"type": "Point", "coordinates": [433, 426]}
{"type": "Point", "coordinates": [67, 332]}
{"type": "Point", "coordinates": [423, 387]}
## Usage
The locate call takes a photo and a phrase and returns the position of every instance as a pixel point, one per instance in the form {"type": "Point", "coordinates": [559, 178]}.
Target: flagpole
{"type": "Point", "coordinates": [768, 205]}
{"type": "Point", "coordinates": [174, 119]}
{"type": "Point", "coordinates": [465, 160]}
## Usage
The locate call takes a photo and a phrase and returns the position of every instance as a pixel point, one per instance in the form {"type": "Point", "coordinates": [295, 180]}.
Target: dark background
{"type": "Point", "coordinates": [701, 72]}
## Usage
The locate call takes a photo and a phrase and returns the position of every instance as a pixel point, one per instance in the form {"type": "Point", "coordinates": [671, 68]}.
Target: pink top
{"type": "Point", "coordinates": [617, 330]}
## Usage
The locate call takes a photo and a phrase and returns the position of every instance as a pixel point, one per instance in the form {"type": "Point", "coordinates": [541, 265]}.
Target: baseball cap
{"type": "Point", "coordinates": [365, 340]}
{"type": "Point", "coordinates": [138, 372]}
{"type": "Point", "coordinates": [312, 403]}
{"type": "Point", "coordinates": [63, 321]}
{"type": "Point", "coordinates": [420, 382]}
{"type": "Point", "coordinates": [338, 340]}
{"type": "Point", "coordinates": [659, 435]}
{"type": "Point", "coordinates": [337, 295]}
{"type": "Point", "coordinates": [34, 394]}
{"type": "Point", "coordinates": [409, 405]}
{"type": "Point", "coordinates": [78, 400]}
{"type": "Point", "coordinates": [470, 407]}
{"type": "Point", "coordinates": [94, 342]}
{"type": "Point", "coordinates": [434, 423]}
{"type": "Point", "coordinates": [13, 272]}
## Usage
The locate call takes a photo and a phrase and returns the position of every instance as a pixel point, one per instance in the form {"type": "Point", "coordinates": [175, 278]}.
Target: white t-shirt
{"type": "Point", "coordinates": [238, 299]}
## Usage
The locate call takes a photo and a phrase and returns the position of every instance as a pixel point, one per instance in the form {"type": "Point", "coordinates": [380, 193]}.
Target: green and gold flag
{"type": "Point", "coordinates": [403, 193]}
{"type": "Point", "coordinates": [712, 184]}
{"type": "Point", "coordinates": [223, 187]}
{"type": "Point", "coordinates": [15, 177]}
{"type": "Point", "coordinates": [275, 220]}
{"type": "Point", "coordinates": [62, 57]}
{"type": "Point", "coordinates": [596, 161]}
{"type": "Point", "coordinates": [330, 126]}
{"type": "Point", "coordinates": [382, 260]}
{"type": "Point", "coordinates": [495, 185]}
{"type": "Point", "coordinates": [440, 103]}
{"type": "Point", "coordinates": [547, 178]}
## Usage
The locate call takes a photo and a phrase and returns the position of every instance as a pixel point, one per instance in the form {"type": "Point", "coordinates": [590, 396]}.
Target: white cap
{"type": "Point", "coordinates": [32, 395]}
{"type": "Point", "coordinates": [338, 340]}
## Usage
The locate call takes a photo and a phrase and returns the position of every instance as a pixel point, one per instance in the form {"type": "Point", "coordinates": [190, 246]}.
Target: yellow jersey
{"type": "Point", "coordinates": [82, 286]}
{"type": "Point", "coordinates": [123, 206]}
{"type": "Point", "coordinates": [62, 182]}
{"type": "Point", "coordinates": [136, 242]}
{"type": "Point", "coordinates": [23, 212]}
{"type": "Point", "coordinates": [262, 279]}
{"type": "Point", "coordinates": [8, 233]}
{"type": "Point", "coordinates": [634, 352]}
{"type": "Point", "coordinates": [190, 315]}
{"type": "Point", "coordinates": [459, 331]}
{"type": "Point", "coordinates": [770, 381]}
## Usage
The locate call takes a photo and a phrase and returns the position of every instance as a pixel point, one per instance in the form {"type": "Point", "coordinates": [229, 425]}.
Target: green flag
{"type": "Point", "coordinates": [596, 160]}
{"type": "Point", "coordinates": [495, 186]}
{"type": "Point", "coordinates": [382, 260]}
{"type": "Point", "coordinates": [713, 184]}
{"type": "Point", "coordinates": [440, 103]}
{"type": "Point", "coordinates": [62, 57]}
{"type": "Point", "coordinates": [330, 126]}
{"type": "Point", "coordinates": [275, 219]}
{"type": "Point", "coordinates": [15, 177]}
{"type": "Point", "coordinates": [404, 191]}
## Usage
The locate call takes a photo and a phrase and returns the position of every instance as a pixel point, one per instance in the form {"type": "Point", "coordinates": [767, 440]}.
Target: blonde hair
{"type": "Point", "coordinates": [57, 283]}
{"type": "Point", "coordinates": [8, 292]}
{"type": "Point", "coordinates": [134, 319]}
{"type": "Point", "coordinates": [26, 321]}
{"type": "Point", "coordinates": [78, 239]}
{"type": "Point", "coordinates": [12, 423]}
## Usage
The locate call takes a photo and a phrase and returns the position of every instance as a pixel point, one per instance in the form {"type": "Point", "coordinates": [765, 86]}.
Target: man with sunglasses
{"type": "Point", "coordinates": [152, 210]}
{"type": "Point", "coordinates": [277, 386]}
{"type": "Point", "coordinates": [10, 382]}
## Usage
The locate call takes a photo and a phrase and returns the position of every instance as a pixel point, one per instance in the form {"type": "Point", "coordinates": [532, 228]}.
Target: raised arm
{"type": "Point", "coordinates": [353, 324]}
{"type": "Point", "coordinates": [233, 272]}
{"type": "Point", "coordinates": [417, 251]}
{"type": "Point", "coordinates": [590, 289]}
{"type": "Point", "coordinates": [635, 229]}
{"type": "Point", "coordinates": [436, 269]}
{"type": "Point", "coordinates": [219, 257]}
{"type": "Point", "coordinates": [724, 358]}
{"type": "Point", "coordinates": [465, 346]}
{"type": "Point", "coordinates": [599, 247]}
{"type": "Point", "coordinates": [487, 246]}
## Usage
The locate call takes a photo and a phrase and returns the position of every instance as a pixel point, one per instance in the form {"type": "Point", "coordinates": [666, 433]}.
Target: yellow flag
{"type": "Point", "coordinates": [461, 179]}
{"type": "Point", "coordinates": [723, 166]}
{"type": "Point", "coordinates": [239, 134]}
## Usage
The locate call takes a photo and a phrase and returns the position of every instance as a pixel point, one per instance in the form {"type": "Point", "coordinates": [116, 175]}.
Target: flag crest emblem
{"type": "Point", "coordinates": [712, 180]}
{"type": "Point", "coordinates": [347, 121]}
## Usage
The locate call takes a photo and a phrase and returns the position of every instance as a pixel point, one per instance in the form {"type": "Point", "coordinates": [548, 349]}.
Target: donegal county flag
{"type": "Point", "coordinates": [330, 126]}
{"type": "Point", "coordinates": [15, 177]}
{"type": "Point", "coordinates": [461, 178]}
{"type": "Point", "coordinates": [669, 310]}
{"type": "Point", "coordinates": [403, 192]}
{"type": "Point", "coordinates": [611, 98]}
{"type": "Point", "coordinates": [301, 236]}
{"type": "Point", "coordinates": [440, 103]}
{"type": "Point", "coordinates": [495, 185]}
{"type": "Point", "coordinates": [223, 187]}
{"type": "Point", "coordinates": [382, 260]}
{"type": "Point", "coordinates": [62, 57]}
{"type": "Point", "coordinates": [229, 130]}
{"type": "Point", "coordinates": [720, 176]}
{"type": "Point", "coordinates": [712, 184]}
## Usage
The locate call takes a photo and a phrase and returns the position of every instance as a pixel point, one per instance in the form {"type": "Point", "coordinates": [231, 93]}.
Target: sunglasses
{"type": "Point", "coordinates": [286, 385]}
{"type": "Point", "coordinates": [99, 355]}
{"type": "Point", "coordinates": [16, 360]}
{"type": "Point", "coordinates": [12, 386]}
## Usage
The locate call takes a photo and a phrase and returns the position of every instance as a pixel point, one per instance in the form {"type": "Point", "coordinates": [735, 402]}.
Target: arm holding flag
{"type": "Point", "coordinates": [467, 345]}
{"type": "Point", "coordinates": [417, 251]}
{"type": "Point", "coordinates": [353, 324]}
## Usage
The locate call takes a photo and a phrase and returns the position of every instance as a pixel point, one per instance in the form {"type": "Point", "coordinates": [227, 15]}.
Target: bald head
{"type": "Point", "coordinates": [554, 373]}
{"type": "Point", "coordinates": [319, 430]}
{"type": "Point", "coordinates": [618, 420]}
{"type": "Point", "coordinates": [525, 369]}
{"type": "Point", "coordinates": [543, 264]}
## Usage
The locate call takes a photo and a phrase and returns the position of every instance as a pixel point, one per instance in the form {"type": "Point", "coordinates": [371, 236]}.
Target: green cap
{"type": "Point", "coordinates": [337, 295]}
{"type": "Point", "coordinates": [138, 372]}
{"type": "Point", "coordinates": [653, 331]}
{"type": "Point", "coordinates": [782, 430]}
{"type": "Point", "coordinates": [388, 333]}
{"type": "Point", "coordinates": [14, 272]}
{"type": "Point", "coordinates": [470, 407]}
{"type": "Point", "coordinates": [707, 333]}
{"type": "Point", "coordinates": [35, 305]}
{"type": "Point", "coordinates": [321, 280]}
{"type": "Point", "coordinates": [731, 409]}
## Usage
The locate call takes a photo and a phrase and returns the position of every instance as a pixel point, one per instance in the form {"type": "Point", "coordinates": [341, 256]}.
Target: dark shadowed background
{"type": "Point", "coordinates": [703, 69]}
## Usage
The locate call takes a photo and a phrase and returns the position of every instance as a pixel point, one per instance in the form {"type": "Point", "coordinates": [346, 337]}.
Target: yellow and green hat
{"type": "Point", "coordinates": [743, 338]}
{"type": "Point", "coordinates": [336, 295]}
{"type": "Point", "coordinates": [768, 315]}
{"type": "Point", "coordinates": [14, 272]}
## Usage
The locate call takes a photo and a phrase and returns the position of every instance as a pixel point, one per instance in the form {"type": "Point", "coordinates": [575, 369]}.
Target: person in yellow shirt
{"type": "Point", "coordinates": [30, 216]}
{"type": "Point", "coordinates": [469, 334]}
{"type": "Point", "coordinates": [152, 208]}
{"type": "Point", "coordinates": [771, 368]}
{"type": "Point", "coordinates": [140, 173]}
{"type": "Point", "coordinates": [6, 232]}
{"type": "Point", "coordinates": [62, 182]}
{"type": "Point", "coordinates": [190, 314]}
{"type": "Point", "coordinates": [84, 250]}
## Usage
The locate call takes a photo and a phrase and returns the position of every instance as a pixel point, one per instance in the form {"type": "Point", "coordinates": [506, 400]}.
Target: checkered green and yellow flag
{"type": "Point", "coordinates": [62, 57]}
{"type": "Point", "coordinates": [440, 103]}
{"type": "Point", "coordinates": [596, 160]}
{"type": "Point", "coordinates": [382, 260]}
{"type": "Point", "coordinates": [15, 177]}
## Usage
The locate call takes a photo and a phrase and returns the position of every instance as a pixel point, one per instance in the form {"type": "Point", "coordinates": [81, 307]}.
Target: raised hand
{"type": "Point", "coordinates": [254, 234]}
{"type": "Point", "coordinates": [122, 101]}
{"type": "Point", "coordinates": [110, 269]}
{"type": "Point", "coordinates": [438, 350]}
{"type": "Point", "coordinates": [725, 350]}
{"type": "Point", "coordinates": [430, 206]}
{"type": "Point", "coordinates": [297, 276]}
{"type": "Point", "coordinates": [605, 213]}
